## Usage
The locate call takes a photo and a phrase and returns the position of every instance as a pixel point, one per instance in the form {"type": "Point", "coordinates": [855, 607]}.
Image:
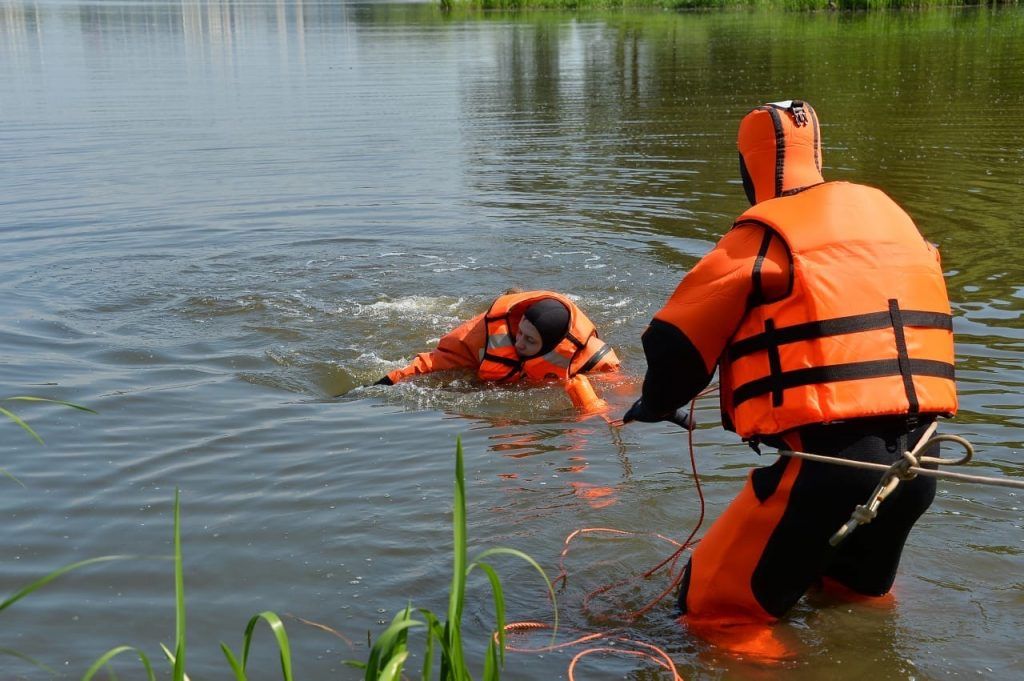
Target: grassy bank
{"type": "Point", "coordinates": [784, 5]}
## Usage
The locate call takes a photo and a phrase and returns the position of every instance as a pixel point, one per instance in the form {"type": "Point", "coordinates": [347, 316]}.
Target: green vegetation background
{"type": "Point", "coordinates": [788, 5]}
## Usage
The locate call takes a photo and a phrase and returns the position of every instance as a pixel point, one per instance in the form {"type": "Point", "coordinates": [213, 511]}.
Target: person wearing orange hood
{"type": "Point", "coordinates": [531, 335]}
{"type": "Point", "coordinates": [826, 314]}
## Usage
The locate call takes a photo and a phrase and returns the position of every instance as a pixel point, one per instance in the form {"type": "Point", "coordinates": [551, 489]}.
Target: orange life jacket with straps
{"type": "Point", "coordinates": [865, 330]}
{"type": "Point", "coordinates": [579, 352]}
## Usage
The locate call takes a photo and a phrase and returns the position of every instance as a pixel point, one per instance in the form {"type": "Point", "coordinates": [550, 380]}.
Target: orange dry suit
{"type": "Point", "coordinates": [486, 344]}
{"type": "Point", "coordinates": [826, 313]}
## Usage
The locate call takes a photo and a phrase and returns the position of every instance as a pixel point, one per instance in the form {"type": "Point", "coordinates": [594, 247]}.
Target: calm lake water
{"type": "Point", "coordinates": [216, 215]}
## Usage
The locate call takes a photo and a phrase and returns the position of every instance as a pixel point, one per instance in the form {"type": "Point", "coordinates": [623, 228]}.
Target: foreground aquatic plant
{"type": "Point", "coordinates": [391, 649]}
{"type": "Point", "coordinates": [27, 428]}
{"type": "Point", "coordinates": [40, 583]}
{"type": "Point", "coordinates": [177, 657]}
{"type": "Point", "coordinates": [25, 398]}
{"type": "Point", "coordinates": [389, 652]}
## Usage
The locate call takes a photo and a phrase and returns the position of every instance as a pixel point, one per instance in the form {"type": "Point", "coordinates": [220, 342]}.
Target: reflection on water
{"type": "Point", "coordinates": [219, 215]}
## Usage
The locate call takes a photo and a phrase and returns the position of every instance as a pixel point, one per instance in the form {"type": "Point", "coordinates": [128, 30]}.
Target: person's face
{"type": "Point", "coordinates": [528, 340]}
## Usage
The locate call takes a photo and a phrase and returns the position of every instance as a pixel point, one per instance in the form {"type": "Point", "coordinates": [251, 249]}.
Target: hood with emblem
{"type": "Point", "coordinates": [780, 150]}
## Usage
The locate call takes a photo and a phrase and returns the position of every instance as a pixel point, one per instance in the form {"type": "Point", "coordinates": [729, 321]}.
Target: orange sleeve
{"type": "Point", "coordinates": [459, 348]}
{"type": "Point", "coordinates": [712, 299]}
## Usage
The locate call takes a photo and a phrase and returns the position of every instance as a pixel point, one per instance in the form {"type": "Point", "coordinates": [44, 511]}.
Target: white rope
{"type": "Point", "coordinates": [908, 467]}
{"type": "Point", "coordinates": [927, 472]}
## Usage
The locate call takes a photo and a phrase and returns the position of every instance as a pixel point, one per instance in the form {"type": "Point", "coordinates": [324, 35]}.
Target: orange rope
{"type": "Point", "coordinates": [563, 574]}
{"type": "Point", "coordinates": [658, 656]}
{"type": "Point", "coordinates": [672, 560]}
{"type": "Point", "coordinates": [666, 663]}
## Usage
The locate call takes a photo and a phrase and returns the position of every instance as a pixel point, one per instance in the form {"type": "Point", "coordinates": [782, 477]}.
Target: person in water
{"type": "Point", "coordinates": [531, 335]}
{"type": "Point", "coordinates": [826, 314]}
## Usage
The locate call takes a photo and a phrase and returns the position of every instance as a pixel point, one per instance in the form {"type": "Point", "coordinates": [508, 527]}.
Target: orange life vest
{"type": "Point", "coordinates": [580, 350]}
{"type": "Point", "coordinates": [866, 329]}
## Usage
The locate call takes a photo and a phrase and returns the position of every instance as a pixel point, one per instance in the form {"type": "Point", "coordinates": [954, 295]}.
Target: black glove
{"type": "Point", "coordinates": [638, 412]}
{"type": "Point", "coordinates": [385, 381]}
{"type": "Point", "coordinates": [681, 417]}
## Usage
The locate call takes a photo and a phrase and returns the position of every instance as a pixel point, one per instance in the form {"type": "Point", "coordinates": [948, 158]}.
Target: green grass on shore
{"type": "Point", "coordinates": [785, 5]}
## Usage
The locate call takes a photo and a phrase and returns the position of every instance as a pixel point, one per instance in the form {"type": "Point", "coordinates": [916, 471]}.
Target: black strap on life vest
{"type": "Point", "coordinates": [838, 326]}
{"type": "Point", "coordinates": [580, 347]}
{"type": "Point", "coordinates": [757, 287]}
{"type": "Point", "coordinates": [903, 357]}
{"type": "Point", "coordinates": [507, 361]}
{"type": "Point", "coordinates": [576, 341]}
{"type": "Point", "coordinates": [774, 362]}
{"type": "Point", "coordinates": [595, 358]}
{"type": "Point", "coordinates": [515, 366]}
{"type": "Point", "coordinates": [840, 372]}
{"type": "Point", "coordinates": [777, 381]}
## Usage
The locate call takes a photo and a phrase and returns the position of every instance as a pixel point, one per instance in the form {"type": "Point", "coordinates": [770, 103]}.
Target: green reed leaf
{"type": "Point", "coordinates": [457, 595]}
{"type": "Point", "coordinates": [391, 643]}
{"type": "Point", "coordinates": [499, 606]}
{"type": "Point", "coordinates": [172, 659]}
{"type": "Point", "coordinates": [9, 475]}
{"type": "Point", "coordinates": [32, 661]}
{"type": "Point", "coordinates": [277, 627]}
{"type": "Point", "coordinates": [28, 398]}
{"type": "Point", "coordinates": [17, 419]}
{"type": "Point", "coordinates": [493, 661]}
{"type": "Point", "coordinates": [390, 650]}
{"type": "Point", "coordinates": [236, 666]}
{"type": "Point", "coordinates": [179, 594]}
{"type": "Point", "coordinates": [434, 630]}
{"type": "Point", "coordinates": [393, 670]}
{"type": "Point", "coordinates": [114, 652]}
{"type": "Point", "coordinates": [57, 573]}
{"type": "Point", "coordinates": [523, 556]}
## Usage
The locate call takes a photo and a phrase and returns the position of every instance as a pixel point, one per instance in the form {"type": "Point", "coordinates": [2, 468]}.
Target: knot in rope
{"type": "Point", "coordinates": [903, 469]}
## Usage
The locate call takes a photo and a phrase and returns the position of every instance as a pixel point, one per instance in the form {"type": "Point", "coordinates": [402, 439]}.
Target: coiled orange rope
{"type": "Point", "coordinates": [652, 652]}
{"type": "Point", "coordinates": [634, 648]}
